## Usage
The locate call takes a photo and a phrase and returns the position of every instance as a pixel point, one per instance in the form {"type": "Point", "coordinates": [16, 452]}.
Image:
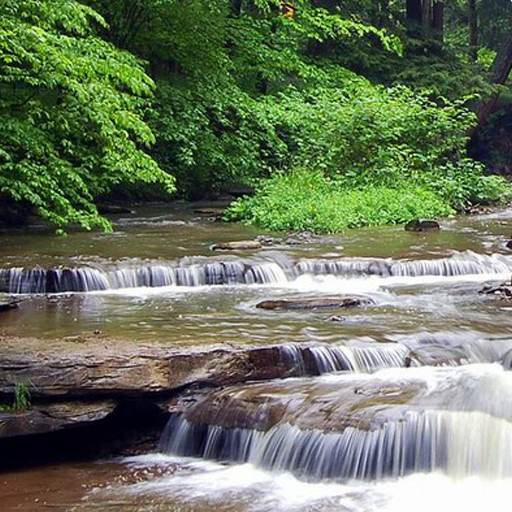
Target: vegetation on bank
{"type": "Point", "coordinates": [374, 156]}
{"type": "Point", "coordinates": [21, 400]}
{"type": "Point", "coordinates": [367, 102]}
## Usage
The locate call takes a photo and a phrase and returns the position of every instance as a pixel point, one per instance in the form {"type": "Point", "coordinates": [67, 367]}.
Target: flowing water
{"type": "Point", "coordinates": [411, 408]}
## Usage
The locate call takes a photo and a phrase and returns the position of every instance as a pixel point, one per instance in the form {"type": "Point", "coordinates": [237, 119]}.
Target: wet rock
{"type": "Point", "coordinates": [91, 368]}
{"type": "Point", "coordinates": [509, 244]}
{"type": "Point", "coordinates": [111, 209]}
{"type": "Point", "coordinates": [245, 245]}
{"type": "Point", "coordinates": [308, 404]}
{"type": "Point", "coordinates": [479, 209]}
{"type": "Point", "coordinates": [211, 213]}
{"type": "Point", "coordinates": [436, 355]}
{"type": "Point", "coordinates": [77, 383]}
{"type": "Point", "coordinates": [317, 303]}
{"type": "Point", "coordinates": [7, 303]}
{"type": "Point", "coordinates": [41, 419]}
{"type": "Point", "coordinates": [269, 240]}
{"type": "Point", "coordinates": [501, 291]}
{"type": "Point", "coordinates": [303, 237]}
{"type": "Point", "coordinates": [337, 319]}
{"type": "Point", "coordinates": [422, 225]}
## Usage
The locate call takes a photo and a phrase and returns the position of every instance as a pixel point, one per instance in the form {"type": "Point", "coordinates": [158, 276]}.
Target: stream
{"type": "Point", "coordinates": [375, 430]}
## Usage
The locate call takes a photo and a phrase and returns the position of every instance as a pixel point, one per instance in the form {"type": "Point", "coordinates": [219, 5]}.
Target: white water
{"type": "Point", "coordinates": [204, 485]}
{"type": "Point", "coordinates": [460, 424]}
{"type": "Point", "coordinates": [350, 274]}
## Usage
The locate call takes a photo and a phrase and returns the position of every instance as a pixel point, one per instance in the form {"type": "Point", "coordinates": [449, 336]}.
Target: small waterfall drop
{"type": "Point", "coordinates": [21, 281]}
{"type": "Point", "coordinates": [239, 272]}
{"type": "Point", "coordinates": [453, 422]}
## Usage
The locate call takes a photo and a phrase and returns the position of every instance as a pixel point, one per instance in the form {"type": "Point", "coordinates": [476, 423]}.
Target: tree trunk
{"type": "Point", "coordinates": [414, 11]}
{"type": "Point", "coordinates": [426, 17]}
{"type": "Point", "coordinates": [438, 19]}
{"type": "Point", "coordinates": [236, 7]}
{"type": "Point", "coordinates": [499, 73]}
{"type": "Point", "coordinates": [473, 30]}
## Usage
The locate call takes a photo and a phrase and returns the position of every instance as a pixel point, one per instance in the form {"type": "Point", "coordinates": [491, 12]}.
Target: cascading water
{"type": "Point", "coordinates": [20, 281]}
{"type": "Point", "coordinates": [232, 272]}
{"type": "Point", "coordinates": [345, 428]}
{"type": "Point", "coordinates": [402, 405]}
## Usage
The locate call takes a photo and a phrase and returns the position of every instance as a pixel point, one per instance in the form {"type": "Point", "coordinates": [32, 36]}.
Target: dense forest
{"type": "Point", "coordinates": [341, 113]}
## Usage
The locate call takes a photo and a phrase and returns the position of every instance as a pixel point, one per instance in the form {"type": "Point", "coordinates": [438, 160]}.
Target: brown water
{"type": "Point", "coordinates": [206, 314]}
{"type": "Point", "coordinates": [440, 299]}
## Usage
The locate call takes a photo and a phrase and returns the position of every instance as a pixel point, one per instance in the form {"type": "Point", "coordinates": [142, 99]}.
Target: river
{"type": "Point", "coordinates": [368, 434]}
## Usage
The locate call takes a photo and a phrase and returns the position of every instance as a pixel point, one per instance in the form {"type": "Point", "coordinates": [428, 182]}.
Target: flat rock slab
{"type": "Point", "coordinates": [320, 303]}
{"type": "Point", "coordinates": [41, 419]}
{"type": "Point", "coordinates": [82, 370]}
{"type": "Point", "coordinates": [245, 245]}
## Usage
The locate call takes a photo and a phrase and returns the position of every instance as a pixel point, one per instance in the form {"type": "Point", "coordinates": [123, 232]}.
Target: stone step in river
{"type": "Point", "coordinates": [232, 272]}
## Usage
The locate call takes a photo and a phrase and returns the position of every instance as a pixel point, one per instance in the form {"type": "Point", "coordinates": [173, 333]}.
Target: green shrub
{"type": "Point", "coordinates": [304, 200]}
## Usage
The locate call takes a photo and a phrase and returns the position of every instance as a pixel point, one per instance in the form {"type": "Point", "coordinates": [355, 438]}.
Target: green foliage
{"type": "Point", "coordinates": [71, 108]}
{"type": "Point", "coordinates": [373, 156]}
{"type": "Point", "coordinates": [21, 400]}
{"type": "Point", "coordinates": [21, 396]}
{"type": "Point", "coordinates": [238, 91]}
{"type": "Point", "coordinates": [305, 200]}
{"type": "Point", "coordinates": [221, 72]}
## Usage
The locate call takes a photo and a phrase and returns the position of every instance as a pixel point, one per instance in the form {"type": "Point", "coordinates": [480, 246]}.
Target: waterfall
{"type": "Point", "coordinates": [370, 356]}
{"type": "Point", "coordinates": [468, 263]}
{"type": "Point", "coordinates": [389, 424]}
{"type": "Point", "coordinates": [19, 280]}
{"type": "Point", "coordinates": [238, 272]}
{"type": "Point", "coordinates": [330, 359]}
{"type": "Point", "coordinates": [461, 444]}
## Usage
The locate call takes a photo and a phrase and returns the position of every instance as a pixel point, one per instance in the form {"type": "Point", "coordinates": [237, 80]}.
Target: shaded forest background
{"type": "Point", "coordinates": [342, 113]}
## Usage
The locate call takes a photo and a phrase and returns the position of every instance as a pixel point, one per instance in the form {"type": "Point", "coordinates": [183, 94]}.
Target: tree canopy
{"type": "Point", "coordinates": [143, 97]}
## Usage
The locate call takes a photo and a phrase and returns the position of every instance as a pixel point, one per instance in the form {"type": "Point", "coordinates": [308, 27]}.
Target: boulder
{"type": "Point", "coordinates": [422, 225]}
{"type": "Point", "coordinates": [316, 303]}
{"type": "Point", "coordinates": [244, 245]}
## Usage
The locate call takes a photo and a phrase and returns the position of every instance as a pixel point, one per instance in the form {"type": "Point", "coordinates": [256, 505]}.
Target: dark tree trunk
{"type": "Point", "coordinates": [236, 7]}
{"type": "Point", "coordinates": [414, 11]}
{"type": "Point", "coordinates": [426, 17]}
{"type": "Point", "coordinates": [499, 73]}
{"type": "Point", "coordinates": [438, 19]}
{"type": "Point", "coordinates": [473, 30]}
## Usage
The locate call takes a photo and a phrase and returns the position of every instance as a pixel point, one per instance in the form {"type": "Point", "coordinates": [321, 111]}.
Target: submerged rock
{"type": "Point", "coordinates": [500, 291]}
{"type": "Point", "coordinates": [337, 319]}
{"type": "Point", "coordinates": [245, 245]}
{"type": "Point", "coordinates": [7, 303]}
{"type": "Point", "coordinates": [303, 237]}
{"type": "Point", "coordinates": [212, 213]}
{"type": "Point", "coordinates": [112, 209]}
{"type": "Point", "coordinates": [317, 303]}
{"type": "Point", "coordinates": [422, 225]}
